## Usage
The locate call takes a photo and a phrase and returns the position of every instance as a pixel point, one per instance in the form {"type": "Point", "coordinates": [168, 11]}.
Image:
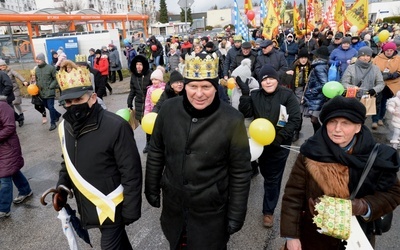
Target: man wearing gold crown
{"type": "Point", "coordinates": [203, 167]}
{"type": "Point", "coordinates": [101, 162]}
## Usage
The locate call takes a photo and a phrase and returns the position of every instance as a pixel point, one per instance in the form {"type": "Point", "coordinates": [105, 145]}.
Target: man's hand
{"type": "Point", "coordinates": [234, 226]}
{"type": "Point", "coordinates": [293, 244]}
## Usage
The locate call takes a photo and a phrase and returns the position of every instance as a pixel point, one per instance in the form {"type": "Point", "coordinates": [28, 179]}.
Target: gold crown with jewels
{"type": "Point", "coordinates": [77, 78]}
{"type": "Point", "coordinates": [201, 66]}
{"type": "Point", "coordinates": [80, 58]}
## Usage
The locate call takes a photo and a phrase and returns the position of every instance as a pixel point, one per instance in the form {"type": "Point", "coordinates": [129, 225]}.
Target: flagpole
{"type": "Point", "coordinates": [305, 13]}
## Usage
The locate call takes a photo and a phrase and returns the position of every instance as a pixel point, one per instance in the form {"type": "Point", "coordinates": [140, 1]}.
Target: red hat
{"type": "Point", "coordinates": [389, 45]}
{"type": "Point", "coordinates": [111, 45]}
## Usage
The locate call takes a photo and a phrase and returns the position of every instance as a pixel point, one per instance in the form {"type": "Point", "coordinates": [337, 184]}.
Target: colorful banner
{"type": "Point", "coordinates": [297, 25]}
{"type": "Point", "coordinates": [340, 15]}
{"type": "Point", "coordinates": [358, 15]}
{"type": "Point", "coordinates": [240, 27]}
{"type": "Point", "coordinates": [271, 24]}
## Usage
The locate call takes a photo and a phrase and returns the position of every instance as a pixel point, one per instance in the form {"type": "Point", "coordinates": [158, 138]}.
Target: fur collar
{"type": "Point", "coordinates": [332, 178]}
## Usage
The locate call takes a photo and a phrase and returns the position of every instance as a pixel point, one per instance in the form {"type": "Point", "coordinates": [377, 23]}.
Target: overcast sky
{"type": "Point", "coordinates": [198, 5]}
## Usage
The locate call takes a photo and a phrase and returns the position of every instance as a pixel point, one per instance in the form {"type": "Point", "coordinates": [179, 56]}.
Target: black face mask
{"type": "Point", "coordinates": [78, 113]}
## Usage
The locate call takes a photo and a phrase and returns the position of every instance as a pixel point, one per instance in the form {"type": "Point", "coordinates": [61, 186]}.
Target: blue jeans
{"type": "Point", "coordinates": [272, 165]}
{"type": "Point", "coordinates": [6, 189]}
{"type": "Point", "coordinates": [49, 104]}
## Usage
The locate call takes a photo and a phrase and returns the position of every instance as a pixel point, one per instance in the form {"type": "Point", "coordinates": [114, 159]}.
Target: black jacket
{"type": "Point", "coordinates": [275, 58]}
{"type": "Point", "coordinates": [104, 153]}
{"type": "Point", "coordinates": [6, 87]}
{"type": "Point", "coordinates": [239, 58]}
{"type": "Point", "coordinates": [139, 84]}
{"type": "Point", "coordinates": [263, 105]}
{"type": "Point", "coordinates": [203, 184]}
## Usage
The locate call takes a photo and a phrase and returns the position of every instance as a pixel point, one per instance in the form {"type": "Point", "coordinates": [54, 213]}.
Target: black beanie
{"type": "Point", "coordinates": [175, 77]}
{"type": "Point", "coordinates": [267, 71]}
{"type": "Point", "coordinates": [209, 45]}
{"type": "Point", "coordinates": [339, 106]}
{"type": "Point", "coordinates": [303, 53]}
{"type": "Point", "coordinates": [98, 51]}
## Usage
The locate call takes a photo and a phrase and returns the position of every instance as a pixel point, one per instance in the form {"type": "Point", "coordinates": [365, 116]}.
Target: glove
{"type": "Point", "coordinates": [359, 207]}
{"type": "Point", "coordinates": [243, 86]}
{"type": "Point", "coordinates": [371, 92]}
{"type": "Point", "coordinates": [153, 199]}
{"type": "Point", "coordinates": [234, 226]}
{"type": "Point", "coordinates": [311, 205]}
{"type": "Point", "coordinates": [60, 197]}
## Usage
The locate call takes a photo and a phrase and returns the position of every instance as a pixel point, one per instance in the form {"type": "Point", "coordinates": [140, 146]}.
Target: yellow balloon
{"type": "Point", "coordinates": [231, 83]}
{"type": "Point", "coordinates": [155, 95]}
{"type": "Point", "coordinates": [148, 122]}
{"type": "Point", "coordinates": [262, 131]}
{"type": "Point", "coordinates": [383, 35]}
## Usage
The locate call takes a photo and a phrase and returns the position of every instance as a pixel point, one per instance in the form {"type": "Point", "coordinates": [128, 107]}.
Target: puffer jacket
{"type": "Point", "coordinates": [339, 56]}
{"type": "Point", "coordinates": [203, 184]}
{"type": "Point", "coordinates": [138, 85]}
{"type": "Point", "coordinates": [104, 153]}
{"type": "Point", "coordinates": [46, 80]}
{"type": "Point", "coordinates": [11, 156]}
{"type": "Point", "coordinates": [313, 96]}
{"type": "Point", "coordinates": [393, 106]}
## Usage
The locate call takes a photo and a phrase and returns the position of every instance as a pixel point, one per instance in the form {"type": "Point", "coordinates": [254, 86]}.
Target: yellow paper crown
{"type": "Point", "coordinates": [200, 67]}
{"type": "Point", "coordinates": [80, 58]}
{"type": "Point", "coordinates": [77, 78]}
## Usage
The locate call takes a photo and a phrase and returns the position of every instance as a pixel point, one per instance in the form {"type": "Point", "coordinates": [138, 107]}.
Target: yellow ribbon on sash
{"type": "Point", "coordinates": [105, 204]}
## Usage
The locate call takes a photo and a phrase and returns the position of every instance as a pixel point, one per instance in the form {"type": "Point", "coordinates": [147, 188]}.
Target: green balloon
{"type": "Point", "coordinates": [229, 92]}
{"type": "Point", "coordinates": [124, 113]}
{"type": "Point", "coordinates": [332, 89]}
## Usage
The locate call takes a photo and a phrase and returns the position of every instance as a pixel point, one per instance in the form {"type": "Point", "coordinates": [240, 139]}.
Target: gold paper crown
{"type": "Point", "coordinates": [200, 67]}
{"type": "Point", "coordinates": [76, 78]}
{"type": "Point", "coordinates": [80, 58]}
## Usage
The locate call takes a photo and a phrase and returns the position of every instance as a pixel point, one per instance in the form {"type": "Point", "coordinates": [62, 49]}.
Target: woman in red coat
{"type": "Point", "coordinates": [101, 64]}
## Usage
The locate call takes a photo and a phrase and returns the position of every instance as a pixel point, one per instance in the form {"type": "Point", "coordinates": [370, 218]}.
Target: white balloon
{"type": "Point", "coordinates": [255, 149]}
{"type": "Point", "coordinates": [353, 29]}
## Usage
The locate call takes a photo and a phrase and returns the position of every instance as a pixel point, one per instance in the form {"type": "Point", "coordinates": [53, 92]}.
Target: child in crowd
{"type": "Point", "coordinates": [393, 106]}
{"type": "Point", "coordinates": [157, 78]}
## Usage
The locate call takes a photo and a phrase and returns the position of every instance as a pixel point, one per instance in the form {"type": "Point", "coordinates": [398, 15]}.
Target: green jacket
{"type": "Point", "coordinates": [46, 80]}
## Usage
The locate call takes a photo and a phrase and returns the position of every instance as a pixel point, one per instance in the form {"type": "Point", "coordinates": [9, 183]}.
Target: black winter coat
{"type": "Point", "coordinates": [203, 184]}
{"type": "Point", "coordinates": [6, 87]}
{"type": "Point", "coordinates": [275, 58]}
{"type": "Point", "coordinates": [138, 85]}
{"type": "Point", "coordinates": [230, 57]}
{"type": "Point", "coordinates": [263, 105]}
{"type": "Point", "coordinates": [239, 58]}
{"type": "Point", "coordinates": [104, 153]}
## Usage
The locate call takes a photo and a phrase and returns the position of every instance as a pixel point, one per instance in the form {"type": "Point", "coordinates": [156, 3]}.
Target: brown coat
{"type": "Point", "coordinates": [313, 179]}
{"type": "Point", "coordinates": [393, 64]}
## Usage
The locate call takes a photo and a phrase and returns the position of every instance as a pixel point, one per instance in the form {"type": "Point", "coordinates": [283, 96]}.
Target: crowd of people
{"type": "Point", "coordinates": [202, 187]}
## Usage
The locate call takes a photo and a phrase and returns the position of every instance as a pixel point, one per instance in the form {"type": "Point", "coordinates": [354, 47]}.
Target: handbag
{"type": "Point", "coordinates": [370, 104]}
{"type": "Point", "coordinates": [132, 120]}
{"type": "Point", "coordinates": [333, 73]}
{"type": "Point", "coordinates": [384, 223]}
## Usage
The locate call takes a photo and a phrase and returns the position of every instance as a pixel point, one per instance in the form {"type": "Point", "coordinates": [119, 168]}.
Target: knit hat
{"type": "Point", "coordinates": [367, 37]}
{"type": "Point", "coordinates": [93, 50]}
{"type": "Point", "coordinates": [290, 35]}
{"type": "Point", "coordinates": [243, 70]}
{"type": "Point", "coordinates": [41, 57]}
{"type": "Point", "coordinates": [339, 106]}
{"type": "Point", "coordinates": [265, 43]}
{"type": "Point", "coordinates": [365, 51]}
{"type": "Point", "coordinates": [246, 45]}
{"type": "Point", "coordinates": [157, 74]}
{"type": "Point", "coordinates": [176, 76]}
{"type": "Point", "coordinates": [237, 38]}
{"type": "Point", "coordinates": [267, 71]}
{"type": "Point", "coordinates": [346, 40]}
{"type": "Point", "coordinates": [204, 38]}
{"type": "Point", "coordinates": [389, 45]}
{"type": "Point", "coordinates": [60, 51]}
{"type": "Point", "coordinates": [303, 53]}
{"type": "Point", "coordinates": [98, 51]}
{"type": "Point", "coordinates": [209, 45]}
{"type": "Point", "coordinates": [338, 35]}
{"type": "Point", "coordinates": [2, 62]}
{"type": "Point", "coordinates": [111, 45]}
{"type": "Point", "coordinates": [322, 52]}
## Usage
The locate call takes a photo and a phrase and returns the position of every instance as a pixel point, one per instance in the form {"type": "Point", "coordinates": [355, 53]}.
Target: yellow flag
{"type": "Point", "coordinates": [358, 15]}
{"type": "Point", "coordinates": [296, 20]}
{"type": "Point", "coordinates": [339, 16]}
{"type": "Point", "coordinates": [310, 16]}
{"type": "Point", "coordinates": [271, 23]}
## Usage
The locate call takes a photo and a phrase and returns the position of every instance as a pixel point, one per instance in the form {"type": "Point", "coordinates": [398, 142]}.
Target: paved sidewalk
{"type": "Point", "coordinates": [121, 87]}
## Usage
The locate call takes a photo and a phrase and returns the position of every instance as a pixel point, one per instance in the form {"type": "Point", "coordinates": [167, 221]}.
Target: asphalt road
{"type": "Point", "coordinates": [33, 226]}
